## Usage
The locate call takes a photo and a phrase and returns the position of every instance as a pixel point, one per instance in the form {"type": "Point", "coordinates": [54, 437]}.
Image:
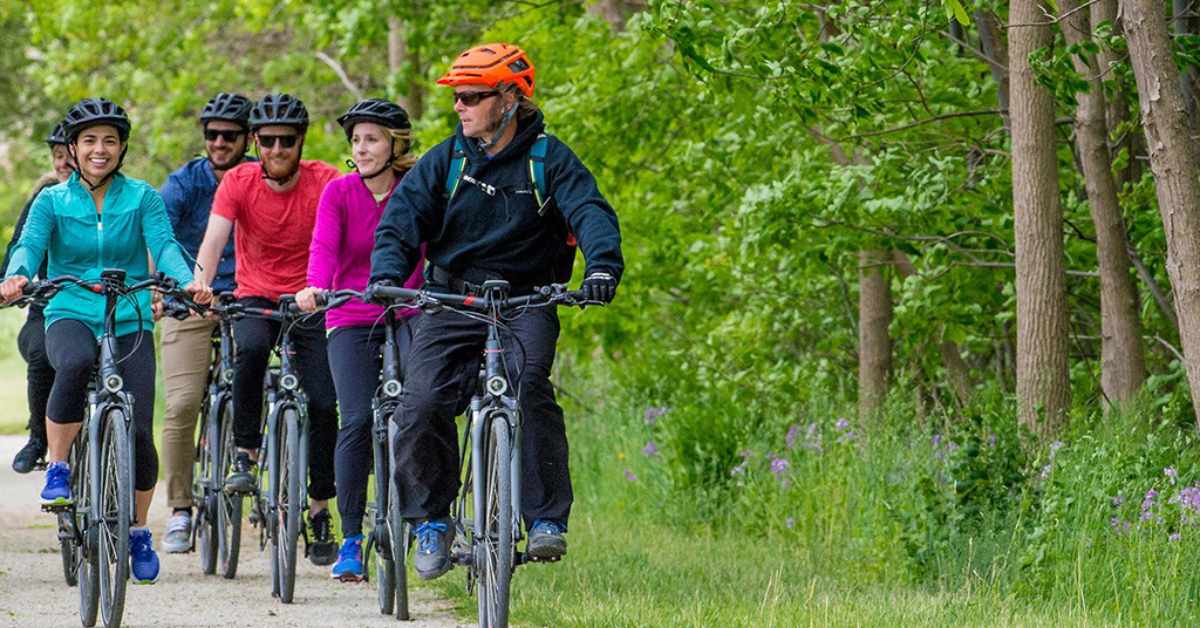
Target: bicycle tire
{"type": "Point", "coordinates": [204, 478]}
{"type": "Point", "coordinates": [401, 537]}
{"type": "Point", "coordinates": [67, 521]}
{"type": "Point", "coordinates": [113, 504]}
{"type": "Point", "coordinates": [494, 553]}
{"type": "Point", "coordinates": [385, 566]}
{"type": "Point", "coordinates": [229, 505]}
{"type": "Point", "coordinates": [89, 564]}
{"type": "Point", "coordinates": [288, 508]}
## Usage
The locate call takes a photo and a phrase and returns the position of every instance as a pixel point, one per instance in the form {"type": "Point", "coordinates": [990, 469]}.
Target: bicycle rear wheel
{"type": "Point", "coordinates": [88, 570]}
{"type": "Point", "coordinates": [229, 505]}
{"type": "Point", "coordinates": [204, 480]}
{"type": "Point", "coordinates": [288, 503]}
{"type": "Point", "coordinates": [494, 553]}
{"type": "Point", "coordinates": [114, 503]}
{"type": "Point", "coordinates": [67, 530]}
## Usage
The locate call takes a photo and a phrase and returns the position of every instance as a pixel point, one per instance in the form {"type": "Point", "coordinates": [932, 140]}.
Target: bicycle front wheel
{"type": "Point", "coordinates": [229, 505]}
{"type": "Point", "coordinates": [288, 503]}
{"type": "Point", "coordinates": [494, 553]}
{"type": "Point", "coordinates": [113, 505]}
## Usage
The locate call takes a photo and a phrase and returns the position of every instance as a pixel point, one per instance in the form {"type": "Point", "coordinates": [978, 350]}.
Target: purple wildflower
{"type": "Point", "coordinates": [842, 424]}
{"type": "Point", "coordinates": [790, 522]}
{"type": "Point", "coordinates": [1045, 474]}
{"type": "Point", "coordinates": [738, 470]}
{"type": "Point", "coordinates": [991, 440]}
{"type": "Point", "coordinates": [1171, 473]}
{"type": "Point", "coordinates": [1148, 505]}
{"type": "Point", "coordinates": [792, 433]}
{"type": "Point", "coordinates": [846, 437]}
{"type": "Point", "coordinates": [1115, 523]}
{"type": "Point", "coordinates": [629, 475]}
{"type": "Point", "coordinates": [650, 449]}
{"type": "Point", "coordinates": [653, 412]}
{"type": "Point", "coordinates": [1189, 499]}
{"type": "Point", "coordinates": [779, 466]}
{"type": "Point", "coordinates": [936, 440]}
{"type": "Point", "coordinates": [1118, 500]}
{"type": "Point", "coordinates": [1175, 536]}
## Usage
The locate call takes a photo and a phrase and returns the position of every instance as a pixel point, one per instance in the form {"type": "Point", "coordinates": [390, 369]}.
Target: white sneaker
{"type": "Point", "coordinates": [178, 538]}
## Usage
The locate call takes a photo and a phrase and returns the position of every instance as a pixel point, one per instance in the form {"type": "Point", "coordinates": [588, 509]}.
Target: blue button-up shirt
{"type": "Point", "coordinates": [188, 194]}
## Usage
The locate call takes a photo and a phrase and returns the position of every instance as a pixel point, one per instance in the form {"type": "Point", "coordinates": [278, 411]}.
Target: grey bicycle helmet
{"type": "Point", "coordinates": [228, 107]}
{"type": "Point", "coordinates": [92, 111]}
{"type": "Point", "coordinates": [282, 109]}
{"type": "Point", "coordinates": [57, 137]}
{"type": "Point", "coordinates": [382, 112]}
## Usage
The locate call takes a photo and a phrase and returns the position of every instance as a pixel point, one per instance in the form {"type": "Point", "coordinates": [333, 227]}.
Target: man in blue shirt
{"type": "Point", "coordinates": [188, 194]}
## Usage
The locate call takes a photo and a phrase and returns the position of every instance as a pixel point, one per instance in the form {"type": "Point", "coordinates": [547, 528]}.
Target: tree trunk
{"type": "Point", "coordinates": [616, 12]}
{"type": "Point", "coordinates": [991, 41]}
{"type": "Point", "coordinates": [1123, 366]}
{"type": "Point", "coordinates": [398, 53]}
{"type": "Point", "coordinates": [1174, 160]}
{"type": "Point", "coordinates": [874, 343]}
{"type": "Point", "coordinates": [1043, 385]}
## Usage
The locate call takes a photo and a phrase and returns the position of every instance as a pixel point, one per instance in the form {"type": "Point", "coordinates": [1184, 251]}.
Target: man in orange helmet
{"type": "Point", "coordinates": [478, 201]}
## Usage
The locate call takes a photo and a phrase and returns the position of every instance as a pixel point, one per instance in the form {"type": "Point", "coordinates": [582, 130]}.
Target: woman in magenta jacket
{"type": "Point", "coordinates": [340, 258]}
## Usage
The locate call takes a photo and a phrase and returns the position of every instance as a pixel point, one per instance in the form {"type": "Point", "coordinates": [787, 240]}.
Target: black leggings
{"type": "Point", "coordinates": [254, 338]}
{"type": "Point", "coordinates": [73, 349]}
{"type": "Point", "coordinates": [355, 357]}
{"type": "Point", "coordinates": [39, 375]}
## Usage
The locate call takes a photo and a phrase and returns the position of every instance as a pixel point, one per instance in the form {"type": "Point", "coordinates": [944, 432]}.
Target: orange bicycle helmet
{"type": "Point", "coordinates": [491, 65]}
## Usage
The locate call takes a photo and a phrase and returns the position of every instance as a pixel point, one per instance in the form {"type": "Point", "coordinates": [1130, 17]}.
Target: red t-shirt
{"type": "Point", "coordinates": [272, 230]}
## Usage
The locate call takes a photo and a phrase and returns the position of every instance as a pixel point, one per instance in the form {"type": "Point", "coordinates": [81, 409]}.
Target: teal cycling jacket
{"type": "Point", "coordinates": [63, 225]}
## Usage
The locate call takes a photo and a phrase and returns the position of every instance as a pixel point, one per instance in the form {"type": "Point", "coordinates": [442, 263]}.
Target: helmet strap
{"type": "Point", "coordinates": [386, 166]}
{"type": "Point", "coordinates": [92, 187]}
{"type": "Point", "coordinates": [505, 120]}
{"type": "Point", "coordinates": [262, 164]}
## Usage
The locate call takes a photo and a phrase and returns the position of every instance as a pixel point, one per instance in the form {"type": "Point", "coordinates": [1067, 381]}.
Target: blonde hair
{"type": "Point", "coordinates": [402, 160]}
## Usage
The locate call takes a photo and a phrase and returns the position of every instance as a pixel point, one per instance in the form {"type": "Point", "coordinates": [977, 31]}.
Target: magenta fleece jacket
{"type": "Point", "coordinates": [340, 254]}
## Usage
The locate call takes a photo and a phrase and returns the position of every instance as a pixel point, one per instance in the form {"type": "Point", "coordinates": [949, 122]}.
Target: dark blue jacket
{"type": "Point", "coordinates": [34, 310]}
{"type": "Point", "coordinates": [500, 234]}
{"type": "Point", "coordinates": [188, 193]}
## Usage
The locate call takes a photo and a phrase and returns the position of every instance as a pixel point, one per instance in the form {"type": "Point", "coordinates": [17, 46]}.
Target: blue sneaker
{"type": "Point", "coordinates": [349, 565]}
{"type": "Point", "coordinates": [57, 491]}
{"type": "Point", "coordinates": [433, 548]}
{"type": "Point", "coordinates": [546, 539]}
{"type": "Point", "coordinates": [143, 562]}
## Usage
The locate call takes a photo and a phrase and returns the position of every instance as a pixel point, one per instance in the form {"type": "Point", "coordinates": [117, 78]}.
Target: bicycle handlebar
{"type": "Point", "coordinates": [553, 294]}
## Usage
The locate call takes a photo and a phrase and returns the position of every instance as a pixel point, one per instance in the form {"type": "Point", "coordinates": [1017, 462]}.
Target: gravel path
{"type": "Point", "coordinates": [33, 593]}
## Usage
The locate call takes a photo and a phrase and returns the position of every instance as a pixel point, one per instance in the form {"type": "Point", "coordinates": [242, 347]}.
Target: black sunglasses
{"type": "Point", "coordinates": [286, 141]}
{"type": "Point", "coordinates": [230, 136]}
{"type": "Point", "coordinates": [471, 99]}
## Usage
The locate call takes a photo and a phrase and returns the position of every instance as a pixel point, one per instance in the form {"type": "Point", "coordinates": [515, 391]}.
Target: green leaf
{"type": "Point", "coordinates": [955, 10]}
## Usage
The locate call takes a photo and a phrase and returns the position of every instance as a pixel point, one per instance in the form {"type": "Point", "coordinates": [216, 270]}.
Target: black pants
{"type": "Point", "coordinates": [442, 367]}
{"type": "Point", "coordinates": [39, 375]}
{"type": "Point", "coordinates": [355, 357]}
{"type": "Point", "coordinates": [254, 338]}
{"type": "Point", "coordinates": [73, 349]}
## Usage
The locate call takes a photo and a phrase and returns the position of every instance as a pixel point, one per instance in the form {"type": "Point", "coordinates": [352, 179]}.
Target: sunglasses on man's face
{"type": "Point", "coordinates": [285, 141]}
{"type": "Point", "coordinates": [230, 136]}
{"type": "Point", "coordinates": [471, 99]}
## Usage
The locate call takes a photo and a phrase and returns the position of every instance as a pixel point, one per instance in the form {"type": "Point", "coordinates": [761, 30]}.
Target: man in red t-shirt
{"type": "Point", "coordinates": [274, 204]}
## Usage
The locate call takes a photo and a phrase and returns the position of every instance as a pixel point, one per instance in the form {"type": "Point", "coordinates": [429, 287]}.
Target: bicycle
{"type": "Point", "coordinates": [218, 530]}
{"type": "Point", "coordinates": [488, 519]}
{"type": "Point", "coordinates": [94, 528]}
{"type": "Point", "coordinates": [282, 493]}
{"type": "Point", "coordinates": [386, 526]}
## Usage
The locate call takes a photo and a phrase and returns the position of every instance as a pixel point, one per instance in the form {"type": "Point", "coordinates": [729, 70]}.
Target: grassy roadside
{"type": "Point", "coordinates": [634, 561]}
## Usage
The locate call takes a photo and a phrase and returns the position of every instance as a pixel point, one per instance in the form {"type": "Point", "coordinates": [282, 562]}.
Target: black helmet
{"type": "Point", "coordinates": [92, 111]}
{"type": "Point", "coordinates": [282, 109]}
{"type": "Point", "coordinates": [381, 112]}
{"type": "Point", "coordinates": [57, 137]}
{"type": "Point", "coordinates": [228, 107]}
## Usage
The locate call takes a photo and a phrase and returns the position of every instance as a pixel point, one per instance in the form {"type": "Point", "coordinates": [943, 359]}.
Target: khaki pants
{"type": "Point", "coordinates": [186, 354]}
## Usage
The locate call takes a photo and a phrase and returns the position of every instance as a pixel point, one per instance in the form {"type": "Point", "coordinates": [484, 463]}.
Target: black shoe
{"type": "Point", "coordinates": [241, 478]}
{"type": "Point", "coordinates": [433, 548]}
{"type": "Point", "coordinates": [546, 540]}
{"type": "Point", "coordinates": [323, 550]}
{"type": "Point", "coordinates": [29, 456]}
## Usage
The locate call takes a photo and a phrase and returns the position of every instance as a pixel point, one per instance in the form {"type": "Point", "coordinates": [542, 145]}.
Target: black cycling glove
{"type": "Point", "coordinates": [599, 286]}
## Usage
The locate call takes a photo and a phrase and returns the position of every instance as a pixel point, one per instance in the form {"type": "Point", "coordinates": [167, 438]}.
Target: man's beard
{"type": "Point", "coordinates": [226, 165]}
{"type": "Point", "coordinates": [283, 173]}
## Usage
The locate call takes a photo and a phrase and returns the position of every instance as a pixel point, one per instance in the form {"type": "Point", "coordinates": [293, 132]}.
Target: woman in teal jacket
{"type": "Point", "coordinates": [99, 219]}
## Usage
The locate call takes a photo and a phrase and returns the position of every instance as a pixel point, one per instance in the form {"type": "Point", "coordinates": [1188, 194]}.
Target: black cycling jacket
{"type": "Point", "coordinates": [492, 225]}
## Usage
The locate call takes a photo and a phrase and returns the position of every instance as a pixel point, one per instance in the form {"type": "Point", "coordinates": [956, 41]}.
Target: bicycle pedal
{"type": "Point", "coordinates": [40, 465]}
{"type": "Point", "coordinates": [351, 579]}
{"type": "Point", "coordinates": [462, 558]}
{"type": "Point", "coordinates": [57, 508]}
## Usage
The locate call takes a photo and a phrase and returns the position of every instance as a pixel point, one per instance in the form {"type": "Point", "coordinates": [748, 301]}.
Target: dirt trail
{"type": "Point", "coordinates": [33, 593]}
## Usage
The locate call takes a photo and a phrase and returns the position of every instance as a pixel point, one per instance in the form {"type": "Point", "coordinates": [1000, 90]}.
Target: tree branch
{"type": "Point", "coordinates": [341, 73]}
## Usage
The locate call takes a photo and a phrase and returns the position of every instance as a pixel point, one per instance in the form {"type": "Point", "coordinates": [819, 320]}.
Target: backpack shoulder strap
{"type": "Point", "coordinates": [458, 157]}
{"type": "Point", "coordinates": [537, 171]}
